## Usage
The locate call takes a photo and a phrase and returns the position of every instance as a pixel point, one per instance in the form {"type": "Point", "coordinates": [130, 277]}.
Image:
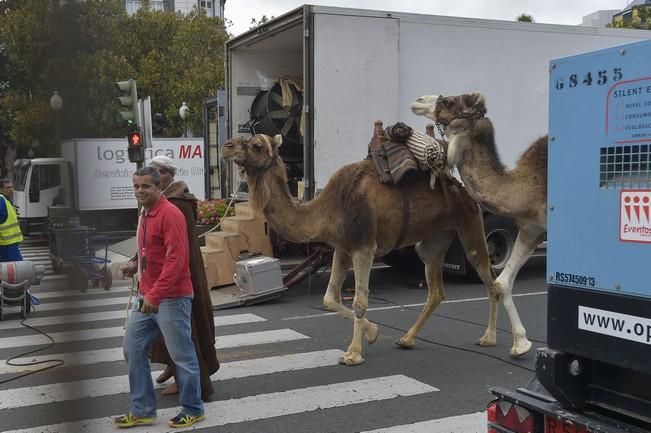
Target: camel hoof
{"type": "Point", "coordinates": [371, 333]}
{"type": "Point", "coordinates": [349, 358]}
{"type": "Point", "coordinates": [328, 307]}
{"type": "Point", "coordinates": [486, 341]}
{"type": "Point", "coordinates": [405, 343]}
{"type": "Point", "coordinates": [521, 349]}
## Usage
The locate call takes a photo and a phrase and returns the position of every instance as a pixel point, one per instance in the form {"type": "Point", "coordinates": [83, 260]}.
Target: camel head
{"type": "Point", "coordinates": [425, 105]}
{"type": "Point", "coordinates": [256, 152]}
{"type": "Point", "coordinates": [456, 114]}
{"type": "Point", "coordinates": [445, 109]}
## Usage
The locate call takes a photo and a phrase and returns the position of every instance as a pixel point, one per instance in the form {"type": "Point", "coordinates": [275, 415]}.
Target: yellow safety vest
{"type": "Point", "coordinates": [10, 230]}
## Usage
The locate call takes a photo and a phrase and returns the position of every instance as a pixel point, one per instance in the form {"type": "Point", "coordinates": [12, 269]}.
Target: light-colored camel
{"type": "Point", "coordinates": [362, 218]}
{"type": "Point", "coordinates": [519, 193]}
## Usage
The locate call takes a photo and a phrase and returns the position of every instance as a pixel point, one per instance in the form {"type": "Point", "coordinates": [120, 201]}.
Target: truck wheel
{"type": "Point", "coordinates": [500, 238]}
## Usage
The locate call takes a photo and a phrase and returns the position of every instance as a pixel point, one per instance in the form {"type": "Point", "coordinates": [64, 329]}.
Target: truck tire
{"type": "Point", "coordinates": [500, 238]}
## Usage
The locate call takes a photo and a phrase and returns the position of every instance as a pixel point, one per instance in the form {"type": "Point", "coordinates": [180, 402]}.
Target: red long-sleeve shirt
{"type": "Point", "coordinates": [163, 243]}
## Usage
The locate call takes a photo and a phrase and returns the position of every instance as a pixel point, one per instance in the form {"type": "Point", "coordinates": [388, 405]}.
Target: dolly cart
{"type": "Point", "coordinates": [72, 250]}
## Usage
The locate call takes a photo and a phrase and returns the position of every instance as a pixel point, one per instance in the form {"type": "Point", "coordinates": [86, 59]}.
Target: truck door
{"type": "Point", "coordinates": [46, 188]}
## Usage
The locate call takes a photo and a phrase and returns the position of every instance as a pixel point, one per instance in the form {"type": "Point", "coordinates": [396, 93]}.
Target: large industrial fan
{"type": "Point", "coordinates": [270, 117]}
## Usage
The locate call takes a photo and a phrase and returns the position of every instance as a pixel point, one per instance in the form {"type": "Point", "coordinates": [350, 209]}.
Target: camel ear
{"type": "Point", "coordinates": [475, 103]}
{"type": "Point", "coordinates": [277, 140]}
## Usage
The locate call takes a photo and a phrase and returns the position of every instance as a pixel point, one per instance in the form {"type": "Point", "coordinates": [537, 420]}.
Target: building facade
{"type": "Point", "coordinates": [213, 8]}
{"type": "Point", "coordinates": [599, 18]}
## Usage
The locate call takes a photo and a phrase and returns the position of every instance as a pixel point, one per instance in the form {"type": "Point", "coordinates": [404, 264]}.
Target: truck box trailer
{"type": "Point", "coordinates": [93, 178]}
{"type": "Point", "coordinates": [357, 66]}
{"type": "Point", "coordinates": [595, 374]}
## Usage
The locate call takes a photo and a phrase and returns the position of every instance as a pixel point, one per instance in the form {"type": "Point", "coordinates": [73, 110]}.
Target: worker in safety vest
{"type": "Point", "coordinates": [10, 234]}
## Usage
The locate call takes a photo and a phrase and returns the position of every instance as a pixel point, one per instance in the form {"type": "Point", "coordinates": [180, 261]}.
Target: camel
{"type": "Point", "coordinates": [519, 193]}
{"type": "Point", "coordinates": [361, 219]}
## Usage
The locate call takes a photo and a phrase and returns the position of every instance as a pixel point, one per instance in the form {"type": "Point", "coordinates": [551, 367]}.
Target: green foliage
{"type": "Point", "coordinates": [81, 49]}
{"type": "Point", "coordinates": [641, 20]}
{"type": "Point", "coordinates": [525, 18]}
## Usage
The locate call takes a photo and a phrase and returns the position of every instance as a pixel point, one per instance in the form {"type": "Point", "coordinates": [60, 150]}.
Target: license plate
{"type": "Point", "coordinates": [553, 425]}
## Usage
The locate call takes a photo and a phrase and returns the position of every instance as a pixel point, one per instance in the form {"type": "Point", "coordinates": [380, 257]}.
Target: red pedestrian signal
{"type": "Point", "coordinates": [134, 139]}
{"type": "Point", "coordinates": [135, 150]}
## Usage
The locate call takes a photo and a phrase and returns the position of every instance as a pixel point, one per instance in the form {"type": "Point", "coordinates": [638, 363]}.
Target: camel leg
{"type": "Point", "coordinates": [525, 245]}
{"type": "Point", "coordinates": [432, 252]}
{"type": "Point", "coordinates": [362, 262]}
{"type": "Point", "coordinates": [332, 299]}
{"type": "Point", "coordinates": [472, 236]}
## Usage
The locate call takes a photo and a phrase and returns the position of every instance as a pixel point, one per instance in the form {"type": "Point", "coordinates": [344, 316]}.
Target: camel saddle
{"type": "Point", "coordinates": [391, 158]}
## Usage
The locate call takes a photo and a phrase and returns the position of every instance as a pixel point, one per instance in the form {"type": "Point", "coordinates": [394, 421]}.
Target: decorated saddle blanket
{"type": "Point", "coordinates": [401, 151]}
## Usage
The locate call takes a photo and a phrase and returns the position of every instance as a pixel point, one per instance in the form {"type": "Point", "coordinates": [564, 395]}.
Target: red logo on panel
{"type": "Point", "coordinates": [635, 216]}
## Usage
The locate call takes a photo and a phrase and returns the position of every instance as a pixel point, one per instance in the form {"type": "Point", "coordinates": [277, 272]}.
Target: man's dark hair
{"type": "Point", "coordinates": [149, 171]}
{"type": "Point", "coordinates": [4, 181]}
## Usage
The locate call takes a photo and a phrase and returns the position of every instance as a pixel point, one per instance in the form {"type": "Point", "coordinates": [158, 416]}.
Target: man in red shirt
{"type": "Point", "coordinates": [163, 306]}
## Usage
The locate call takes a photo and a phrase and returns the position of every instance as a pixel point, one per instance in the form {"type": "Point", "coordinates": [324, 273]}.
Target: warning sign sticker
{"type": "Point", "coordinates": [635, 215]}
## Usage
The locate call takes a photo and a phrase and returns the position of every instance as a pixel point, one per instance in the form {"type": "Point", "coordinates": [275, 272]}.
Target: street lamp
{"type": "Point", "coordinates": [56, 104]}
{"type": "Point", "coordinates": [183, 112]}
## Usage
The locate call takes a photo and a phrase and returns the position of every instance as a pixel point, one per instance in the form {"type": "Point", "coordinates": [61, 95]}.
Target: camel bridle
{"type": "Point", "coordinates": [462, 115]}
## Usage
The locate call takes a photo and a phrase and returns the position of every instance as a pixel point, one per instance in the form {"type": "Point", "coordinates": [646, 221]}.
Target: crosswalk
{"type": "Point", "coordinates": [270, 374]}
{"type": "Point", "coordinates": [38, 252]}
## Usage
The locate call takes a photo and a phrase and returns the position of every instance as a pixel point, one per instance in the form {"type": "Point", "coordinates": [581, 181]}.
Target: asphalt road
{"type": "Point", "coordinates": [279, 361]}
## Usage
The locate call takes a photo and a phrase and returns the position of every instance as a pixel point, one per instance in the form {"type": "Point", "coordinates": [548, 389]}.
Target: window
{"type": "Point", "coordinates": [49, 176]}
{"type": "Point", "coordinates": [20, 176]}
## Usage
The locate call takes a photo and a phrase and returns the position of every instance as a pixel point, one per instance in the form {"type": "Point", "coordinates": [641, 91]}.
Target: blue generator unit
{"type": "Point", "coordinates": [599, 232]}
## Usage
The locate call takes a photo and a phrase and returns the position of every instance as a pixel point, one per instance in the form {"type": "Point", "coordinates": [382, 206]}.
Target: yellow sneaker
{"type": "Point", "coordinates": [183, 420]}
{"type": "Point", "coordinates": [130, 420]}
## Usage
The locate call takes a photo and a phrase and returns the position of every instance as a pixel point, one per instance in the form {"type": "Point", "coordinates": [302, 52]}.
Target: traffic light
{"type": "Point", "coordinates": [129, 102]}
{"type": "Point", "coordinates": [136, 149]}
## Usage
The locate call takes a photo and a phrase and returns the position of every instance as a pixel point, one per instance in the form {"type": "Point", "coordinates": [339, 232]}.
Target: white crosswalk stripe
{"type": "Point", "coordinates": [259, 351]}
{"type": "Point", "coordinates": [265, 406]}
{"type": "Point", "coordinates": [34, 395]}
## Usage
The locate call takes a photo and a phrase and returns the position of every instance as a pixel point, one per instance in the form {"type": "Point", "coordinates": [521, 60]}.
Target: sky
{"type": "Point", "coordinates": [240, 12]}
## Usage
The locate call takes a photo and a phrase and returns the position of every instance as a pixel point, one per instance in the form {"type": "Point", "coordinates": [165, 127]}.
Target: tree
{"type": "Point", "coordinates": [257, 22]}
{"type": "Point", "coordinates": [641, 20]}
{"type": "Point", "coordinates": [525, 18]}
{"type": "Point", "coordinates": [81, 49]}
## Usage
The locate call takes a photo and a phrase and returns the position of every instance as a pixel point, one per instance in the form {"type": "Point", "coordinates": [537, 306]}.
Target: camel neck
{"type": "Point", "coordinates": [270, 193]}
{"type": "Point", "coordinates": [485, 177]}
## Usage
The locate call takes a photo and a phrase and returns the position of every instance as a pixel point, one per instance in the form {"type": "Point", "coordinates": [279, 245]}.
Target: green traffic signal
{"type": "Point", "coordinates": [129, 101]}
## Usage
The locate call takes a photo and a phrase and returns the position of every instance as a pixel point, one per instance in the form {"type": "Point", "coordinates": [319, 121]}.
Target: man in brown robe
{"type": "Point", "coordinates": [203, 325]}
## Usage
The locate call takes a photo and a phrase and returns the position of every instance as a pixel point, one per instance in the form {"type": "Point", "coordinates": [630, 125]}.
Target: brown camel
{"type": "Point", "coordinates": [362, 218]}
{"type": "Point", "coordinates": [519, 193]}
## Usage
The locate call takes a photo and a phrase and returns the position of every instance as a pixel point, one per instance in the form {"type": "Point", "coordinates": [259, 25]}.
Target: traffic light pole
{"type": "Point", "coordinates": [130, 113]}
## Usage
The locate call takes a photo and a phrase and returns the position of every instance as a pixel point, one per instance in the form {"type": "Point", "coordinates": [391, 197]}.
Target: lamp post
{"type": "Point", "coordinates": [56, 104]}
{"type": "Point", "coordinates": [183, 112]}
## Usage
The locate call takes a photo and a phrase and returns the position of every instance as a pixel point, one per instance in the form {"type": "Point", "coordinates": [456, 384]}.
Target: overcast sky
{"type": "Point", "coordinates": [240, 12]}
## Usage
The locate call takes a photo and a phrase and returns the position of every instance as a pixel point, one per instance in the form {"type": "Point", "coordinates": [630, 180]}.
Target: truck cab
{"type": "Point", "coordinates": [38, 184]}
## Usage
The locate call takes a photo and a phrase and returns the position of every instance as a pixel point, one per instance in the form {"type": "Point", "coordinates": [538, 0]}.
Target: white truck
{"type": "Point", "coordinates": [93, 178]}
{"type": "Point", "coordinates": [358, 66]}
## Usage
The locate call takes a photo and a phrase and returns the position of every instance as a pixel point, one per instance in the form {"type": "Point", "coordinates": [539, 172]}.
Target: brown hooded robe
{"type": "Point", "coordinates": [203, 325]}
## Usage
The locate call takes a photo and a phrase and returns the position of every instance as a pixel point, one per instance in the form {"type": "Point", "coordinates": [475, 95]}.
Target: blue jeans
{"type": "Point", "coordinates": [173, 321]}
